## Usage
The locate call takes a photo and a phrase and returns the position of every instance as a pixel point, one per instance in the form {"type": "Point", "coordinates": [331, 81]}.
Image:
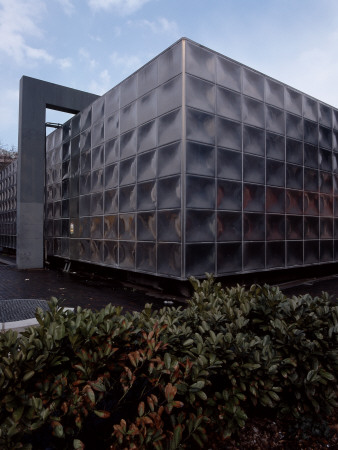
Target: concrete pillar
{"type": "Point", "coordinates": [35, 97]}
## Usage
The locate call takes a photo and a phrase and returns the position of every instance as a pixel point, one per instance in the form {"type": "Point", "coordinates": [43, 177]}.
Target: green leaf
{"type": "Point", "coordinates": [167, 360]}
{"type": "Point", "coordinates": [311, 374]}
{"type": "Point", "coordinates": [80, 367]}
{"type": "Point", "coordinates": [91, 395]}
{"type": "Point", "coordinates": [140, 409]}
{"type": "Point", "coordinates": [102, 414]}
{"type": "Point", "coordinates": [290, 361]}
{"type": "Point", "coordinates": [197, 439]}
{"type": "Point", "coordinates": [28, 375]}
{"type": "Point", "coordinates": [251, 366]}
{"type": "Point", "coordinates": [274, 396]}
{"type": "Point", "coordinates": [57, 429]}
{"type": "Point", "coordinates": [326, 375]}
{"type": "Point", "coordinates": [78, 445]}
{"type": "Point", "coordinates": [178, 430]}
{"type": "Point", "coordinates": [100, 387]}
{"type": "Point", "coordinates": [202, 395]}
{"type": "Point", "coordinates": [8, 373]}
{"type": "Point", "coordinates": [197, 386]}
{"type": "Point", "coordinates": [17, 414]}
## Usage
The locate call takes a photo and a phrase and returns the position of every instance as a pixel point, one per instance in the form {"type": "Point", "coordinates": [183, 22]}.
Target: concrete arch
{"type": "Point", "coordinates": [35, 96]}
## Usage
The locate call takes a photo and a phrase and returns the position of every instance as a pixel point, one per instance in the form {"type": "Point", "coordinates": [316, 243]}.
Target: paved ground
{"type": "Point", "coordinates": [95, 292]}
{"type": "Point", "coordinates": [74, 289]}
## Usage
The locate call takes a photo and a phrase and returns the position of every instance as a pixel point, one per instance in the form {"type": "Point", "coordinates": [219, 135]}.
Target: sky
{"type": "Point", "coordinates": [92, 45]}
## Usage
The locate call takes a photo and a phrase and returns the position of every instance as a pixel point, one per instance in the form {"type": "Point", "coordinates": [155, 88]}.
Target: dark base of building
{"type": "Point", "coordinates": [183, 288]}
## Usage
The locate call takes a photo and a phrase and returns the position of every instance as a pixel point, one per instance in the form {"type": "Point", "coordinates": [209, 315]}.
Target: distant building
{"type": "Point", "coordinates": [7, 157]}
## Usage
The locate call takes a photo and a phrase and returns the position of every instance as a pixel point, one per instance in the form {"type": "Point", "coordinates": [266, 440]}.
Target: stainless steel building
{"type": "Point", "coordinates": [195, 163]}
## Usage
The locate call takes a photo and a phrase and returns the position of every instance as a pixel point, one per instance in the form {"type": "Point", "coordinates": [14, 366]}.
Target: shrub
{"type": "Point", "coordinates": [173, 378]}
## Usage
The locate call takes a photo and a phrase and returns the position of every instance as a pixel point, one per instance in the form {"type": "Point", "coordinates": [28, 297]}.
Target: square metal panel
{"type": "Point", "coordinates": [253, 140]}
{"type": "Point", "coordinates": [275, 173]}
{"type": "Point", "coordinates": [274, 93]}
{"type": "Point", "coordinates": [253, 84]}
{"type": "Point", "coordinates": [294, 151]}
{"type": "Point", "coordinates": [229, 195]}
{"type": "Point", "coordinates": [147, 229]}
{"type": "Point", "coordinates": [200, 159]}
{"type": "Point", "coordinates": [229, 134]}
{"type": "Point", "coordinates": [170, 63]}
{"type": "Point", "coordinates": [146, 108]}
{"type": "Point", "coordinates": [229, 104]}
{"type": "Point", "coordinates": [147, 77]}
{"type": "Point", "coordinates": [169, 226]}
{"type": "Point", "coordinates": [200, 126]}
{"type": "Point", "coordinates": [229, 164]}
{"type": "Point", "coordinates": [254, 255]}
{"type": "Point", "coordinates": [200, 94]}
{"type": "Point", "coordinates": [228, 73]}
{"type": "Point", "coordinates": [275, 255]}
{"type": "Point", "coordinates": [275, 146]}
{"type": "Point", "coordinates": [200, 258]}
{"type": "Point", "coordinates": [169, 96]}
{"type": "Point", "coordinates": [200, 192]}
{"type": "Point", "coordinates": [147, 136]}
{"type": "Point", "coordinates": [275, 227]}
{"type": "Point", "coordinates": [200, 226]}
{"type": "Point", "coordinates": [229, 257]}
{"type": "Point", "coordinates": [200, 62]}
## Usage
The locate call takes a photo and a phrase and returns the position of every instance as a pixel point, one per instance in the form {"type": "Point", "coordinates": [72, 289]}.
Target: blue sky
{"type": "Point", "coordinates": [94, 44]}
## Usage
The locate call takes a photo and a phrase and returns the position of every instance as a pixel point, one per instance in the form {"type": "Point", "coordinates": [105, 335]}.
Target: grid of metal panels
{"type": "Point", "coordinates": [8, 206]}
{"type": "Point", "coordinates": [196, 164]}
{"type": "Point", "coordinates": [114, 175]}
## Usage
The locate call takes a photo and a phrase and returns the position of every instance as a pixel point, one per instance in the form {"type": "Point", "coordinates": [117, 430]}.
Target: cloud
{"type": "Point", "coordinates": [128, 63]}
{"type": "Point", "coordinates": [95, 38]}
{"type": "Point", "coordinates": [86, 58]}
{"type": "Point", "coordinates": [64, 63]}
{"type": "Point", "coordinates": [159, 26]}
{"type": "Point", "coordinates": [313, 70]}
{"type": "Point", "coordinates": [17, 19]}
{"type": "Point", "coordinates": [9, 112]}
{"type": "Point", "coordinates": [38, 53]}
{"type": "Point", "coordinates": [102, 84]}
{"type": "Point", "coordinates": [123, 7]}
{"type": "Point", "coordinates": [67, 7]}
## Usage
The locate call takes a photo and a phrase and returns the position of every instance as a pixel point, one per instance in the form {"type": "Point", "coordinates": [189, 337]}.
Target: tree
{"type": "Point", "coordinates": [7, 155]}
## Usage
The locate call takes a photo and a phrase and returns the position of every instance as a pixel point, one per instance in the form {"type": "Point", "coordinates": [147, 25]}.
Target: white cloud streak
{"type": "Point", "coordinates": [313, 70]}
{"type": "Point", "coordinates": [18, 21]}
{"type": "Point", "coordinates": [122, 7]}
{"type": "Point", "coordinates": [160, 26]}
{"type": "Point", "coordinates": [64, 63]}
{"type": "Point", "coordinates": [86, 58]}
{"type": "Point", "coordinates": [102, 84]}
{"type": "Point", "coordinates": [128, 63]}
{"type": "Point", "coordinates": [67, 7]}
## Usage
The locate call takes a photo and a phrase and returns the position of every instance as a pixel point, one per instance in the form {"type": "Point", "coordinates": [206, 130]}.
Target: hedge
{"type": "Point", "coordinates": [178, 377]}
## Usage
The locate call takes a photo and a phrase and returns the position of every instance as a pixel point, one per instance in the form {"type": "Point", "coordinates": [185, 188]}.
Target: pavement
{"type": "Point", "coordinates": [95, 292]}
{"type": "Point", "coordinates": [76, 289]}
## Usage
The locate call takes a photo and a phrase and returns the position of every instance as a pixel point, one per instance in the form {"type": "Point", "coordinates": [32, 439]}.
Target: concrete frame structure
{"type": "Point", "coordinates": [35, 97]}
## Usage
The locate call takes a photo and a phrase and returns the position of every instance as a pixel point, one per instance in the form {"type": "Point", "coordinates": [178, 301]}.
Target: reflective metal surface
{"type": "Point", "coordinates": [8, 206]}
{"type": "Point", "coordinates": [195, 164]}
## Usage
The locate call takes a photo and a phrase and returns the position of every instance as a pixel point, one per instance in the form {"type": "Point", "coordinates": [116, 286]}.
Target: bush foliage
{"type": "Point", "coordinates": [170, 378]}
